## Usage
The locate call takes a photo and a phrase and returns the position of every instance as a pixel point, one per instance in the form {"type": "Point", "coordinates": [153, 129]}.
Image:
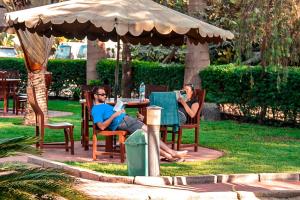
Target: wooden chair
{"type": "Point", "coordinates": [109, 149]}
{"type": "Point", "coordinates": [84, 141]}
{"type": "Point", "coordinates": [3, 89]}
{"type": "Point", "coordinates": [20, 99]}
{"type": "Point", "coordinates": [192, 123]}
{"type": "Point", "coordinates": [40, 126]}
{"type": "Point", "coordinates": [155, 88]}
{"type": "Point", "coordinates": [20, 102]}
{"type": "Point", "coordinates": [14, 88]}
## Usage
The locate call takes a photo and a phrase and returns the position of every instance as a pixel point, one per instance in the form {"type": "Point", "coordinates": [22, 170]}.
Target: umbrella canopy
{"type": "Point", "coordinates": [134, 21]}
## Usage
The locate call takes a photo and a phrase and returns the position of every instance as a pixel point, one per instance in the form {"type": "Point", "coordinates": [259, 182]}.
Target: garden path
{"type": "Point", "coordinates": [52, 113]}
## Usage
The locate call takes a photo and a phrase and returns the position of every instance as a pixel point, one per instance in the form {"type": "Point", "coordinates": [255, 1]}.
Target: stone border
{"type": "Point", "coordinates": [166, 180]}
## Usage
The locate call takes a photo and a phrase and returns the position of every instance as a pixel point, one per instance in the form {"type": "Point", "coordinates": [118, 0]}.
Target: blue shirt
{"type": "Point", "coordinates": [102, 112]}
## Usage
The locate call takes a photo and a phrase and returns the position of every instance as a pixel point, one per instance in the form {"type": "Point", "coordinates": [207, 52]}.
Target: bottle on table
{"type": "Point", "coordinates": [142, 91]}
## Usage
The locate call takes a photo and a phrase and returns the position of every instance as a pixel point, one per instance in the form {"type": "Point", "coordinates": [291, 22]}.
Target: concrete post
{"type": "Point", "coordinates": [153, 123]}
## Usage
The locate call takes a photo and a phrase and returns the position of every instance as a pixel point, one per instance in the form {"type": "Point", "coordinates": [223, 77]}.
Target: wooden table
{"type": "Point", "coordinates": [85, 115]}
{"type": "Point", "coordinates": [10, 83]}
{"type": "Point", "coordinates": [130, 103]}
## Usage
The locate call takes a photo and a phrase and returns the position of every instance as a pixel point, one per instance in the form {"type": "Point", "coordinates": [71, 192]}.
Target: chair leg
{"type": "Point", "coordinates": [17, 106]}
{"type": "Point", "coordinates": [14, 104]}
{"type": "Point", "coordinates": [94, 146]}
{"type": "Point", "coordinates": [81, 133]}
{"type": "Point", "coordinates": [179, 139]}
{"type": "Point", "coordinates": [109, 145]}
{"type": "Point", "coordinates": [164, 134]}
{"type": "Point", "coordinates": [71, 133]}
{"type": "Point", "coordinates": [67, 132]}
{"type": "Point", "coordinates": [122, 147]}
{"type": "Point", "coordinates": [37, 134]}
{"type": "Point", "coordinates": [42, 138]}
{"type": "Point", "coordinates": [86, 134]}
{"type": "Point", "coordinates": [196, 139]}
{"type": "Point", "coordinates": [173, 139]}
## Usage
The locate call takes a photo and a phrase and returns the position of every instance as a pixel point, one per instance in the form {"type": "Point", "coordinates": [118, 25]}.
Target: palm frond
{"type": "Point", "coordinates": [37, 183]}
{"type": "Point", "coordinates": [12, 145]}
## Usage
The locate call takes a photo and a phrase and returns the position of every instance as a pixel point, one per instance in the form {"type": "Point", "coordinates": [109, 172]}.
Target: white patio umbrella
{"type": "Point", "coordinates": [133, 21]}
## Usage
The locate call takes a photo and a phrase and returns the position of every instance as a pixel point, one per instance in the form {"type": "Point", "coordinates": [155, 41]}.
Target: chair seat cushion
{"type": "Point", "coordinates": [59, 124]}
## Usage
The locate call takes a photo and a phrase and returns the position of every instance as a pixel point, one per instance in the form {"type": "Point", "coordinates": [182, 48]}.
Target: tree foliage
{"type": "Point", "coordinates": [271, 25]}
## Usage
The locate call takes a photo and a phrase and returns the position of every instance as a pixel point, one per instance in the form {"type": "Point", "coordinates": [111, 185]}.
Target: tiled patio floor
{"type": "Point", "coordinates": [82, 155]}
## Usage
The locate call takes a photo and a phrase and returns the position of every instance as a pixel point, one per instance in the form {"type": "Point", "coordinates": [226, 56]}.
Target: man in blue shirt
{"type": "Point", "coordinates": [106, 118]}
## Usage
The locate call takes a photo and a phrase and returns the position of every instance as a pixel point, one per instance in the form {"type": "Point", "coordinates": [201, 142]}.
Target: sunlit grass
{"type": "Point", "coordinates": [248, 148]}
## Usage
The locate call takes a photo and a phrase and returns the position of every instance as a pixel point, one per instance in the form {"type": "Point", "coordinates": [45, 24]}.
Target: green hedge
{"type": "Point", "coordinates": [148, 72]}
{"type": "Point", "coordinates": [65, 73]}
{"type": "Point", "coordinates": [255, 92]}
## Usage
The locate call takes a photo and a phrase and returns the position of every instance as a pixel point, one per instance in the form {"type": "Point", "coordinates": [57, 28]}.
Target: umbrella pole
{"type": "Point", "coordinates": [117, 70]}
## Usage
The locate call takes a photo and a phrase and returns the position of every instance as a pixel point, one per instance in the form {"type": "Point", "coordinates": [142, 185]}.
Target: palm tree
{"type": "Point", "coordinates": [21, 182]}
{"type": "Point", "coordinates": [36, 65]}
{"type": "Point", "coordinates": [197, 57]}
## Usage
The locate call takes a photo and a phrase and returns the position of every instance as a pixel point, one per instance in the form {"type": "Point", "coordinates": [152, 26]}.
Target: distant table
{"type": "Point", "coordinates": [11, 83]}
{"type": "Point", "coordinates": [129, 102]}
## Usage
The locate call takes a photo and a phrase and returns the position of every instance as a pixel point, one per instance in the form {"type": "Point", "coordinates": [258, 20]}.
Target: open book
{"type": "Point", "coordinates": [119, 105]}
{"type": "Point", "coordinates": [180, 93]}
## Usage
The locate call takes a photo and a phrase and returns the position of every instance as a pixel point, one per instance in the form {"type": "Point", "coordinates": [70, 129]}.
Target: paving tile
{"type": "Point", "coordinates": [278, 176]}
{"type": "Point", "coordinates": [157, 181]}
{"type": "Point", "coordinates": [190, 180]}
{"type": "Point", "coordinates": [237, 178]}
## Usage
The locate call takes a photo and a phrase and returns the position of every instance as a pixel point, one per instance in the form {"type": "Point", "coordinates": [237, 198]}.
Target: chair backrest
{"type": "Point", "coordinates": [200, 94]}
{"type": "Point", "coordinates": [31, 96]}
{"type": "Point", "coordinates": [3, 84]}
{"type": "Point", "coordinates": [88, 95]}
{"type": "Point", "coordinates": [89, 99]}
{"type": "Point", "coordinates": [13, 74]}
{"type": "Point", "coordinates": [84, 88]}
{"type": "Point", "coordinates": [155, 88]}
{"type": "Point", "coordinates": [13, 88]}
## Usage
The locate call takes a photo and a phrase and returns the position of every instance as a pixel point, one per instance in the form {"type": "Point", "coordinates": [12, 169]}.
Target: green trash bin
{"type": "Point", "coordinates": [137, 153]}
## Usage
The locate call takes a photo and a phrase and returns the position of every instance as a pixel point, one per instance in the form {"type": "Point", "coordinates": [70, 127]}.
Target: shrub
{"type": "Point", "coordinates": [257, 95]}
{"type": "Point", "coordinates": [148, 72]}
{"type": "Point", "coordinates": [65, 73]}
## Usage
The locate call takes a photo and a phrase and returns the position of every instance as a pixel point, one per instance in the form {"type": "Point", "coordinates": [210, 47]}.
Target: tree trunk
{"type": "Point", "coordinates": [95, 52]}
{"type": "Point", "coordinates": [197, 57]}
{"type": "Point", "coordinates": [170, 56]}
{"type": "Point", "coordinates": [126, 82]}
{"type": "Point", "coordinates": [37, 80]}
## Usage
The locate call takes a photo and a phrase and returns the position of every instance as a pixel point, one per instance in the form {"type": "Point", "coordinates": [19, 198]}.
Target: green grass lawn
{"type": "Point", "coordinates": [248, 148]}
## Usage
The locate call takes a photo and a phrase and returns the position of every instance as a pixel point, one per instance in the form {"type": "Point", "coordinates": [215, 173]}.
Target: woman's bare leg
{"type": "Point", "coordinates": [166, 155]}
{"type": "Point", "coordinates": [165, 148]}
{"type": "Point", "coordinates": [175, 154]}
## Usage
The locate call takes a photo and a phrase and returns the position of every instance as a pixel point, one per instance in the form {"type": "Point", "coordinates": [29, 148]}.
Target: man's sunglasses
{"type": "Point", "coordinates": [103, 94]}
